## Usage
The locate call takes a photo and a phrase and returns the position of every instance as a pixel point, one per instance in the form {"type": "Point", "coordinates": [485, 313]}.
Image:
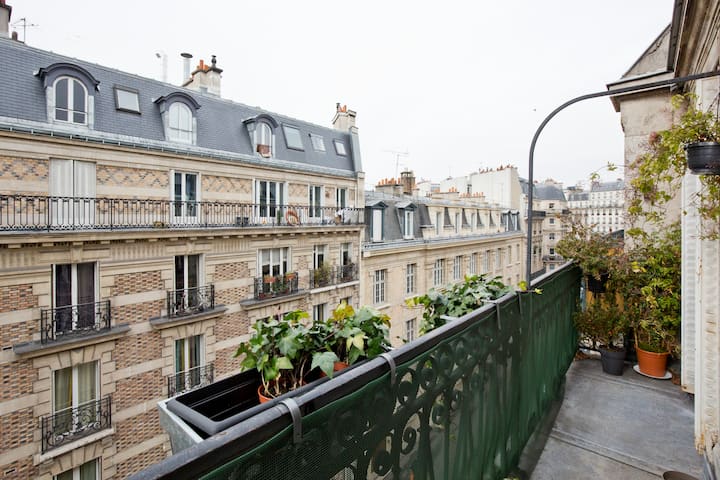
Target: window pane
{"type": "Point", "coordinates": [193, 271]}
{"type": "Point", "coordinates": [88, 471]}
{"type": "Point", "coordinates": [340, 147]}
{"type": "Point", "coordinates": [61, 94]}
{"type": "Point", "coordinates": [127, 100]}
{"type": "Point", "coordinates": [62, 389]}
{"type": "Point", "coordinates": [87, 382]}
{"type": "Point", "coordinates": [63, 285]}
{"type": "Point", "coordinates": [179, 272]}
{"type": "Point", "coordinates": [292, 137]}
{"type": "Point", "coordinates": [318, 143]}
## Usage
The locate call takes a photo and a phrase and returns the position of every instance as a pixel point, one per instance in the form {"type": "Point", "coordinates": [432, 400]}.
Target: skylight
{"type": "Point", "coordinates": [127, 99]}
{"type": "Point", "coordinates": [340, 147]}
{"type": "Point", "coordinates": [318, 142]}
{"type": "Point", "coordinates": [292, 138]}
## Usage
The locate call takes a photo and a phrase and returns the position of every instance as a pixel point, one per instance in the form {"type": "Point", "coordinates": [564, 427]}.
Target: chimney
{"type": "Point", "coordinates": [407, 180]}
{"type": "Point", "coordinates": [205, 78]}
{"type": "Point", "coordinates": [186, 66]}
{"type": "Point", "coordinates": [344, 119]}
{"type": "Point", "coordinates": [5, 12]}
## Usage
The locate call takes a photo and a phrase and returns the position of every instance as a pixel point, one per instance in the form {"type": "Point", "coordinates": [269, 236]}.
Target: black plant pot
{"type": "Point", "coordinates": [703, 158]}
{"type": "Point", "coordinates": [595, 285]}
{"type": "Point", "coordinates": [613, 361]}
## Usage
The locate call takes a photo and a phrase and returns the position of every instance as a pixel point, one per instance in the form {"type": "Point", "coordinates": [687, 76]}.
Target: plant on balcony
{"type": "Point", "coordinates": [358, 335]}
{"type": "Point", "coordinates": [657, 175]}
{"type": "Point", "coordinates": [321, 275]}
{"type": "Point", "coordinates": [603, 326]}
{"type": "Point", "coordinates": [457, 300]}
{"type": "Point", "coordinates": [596, 254]}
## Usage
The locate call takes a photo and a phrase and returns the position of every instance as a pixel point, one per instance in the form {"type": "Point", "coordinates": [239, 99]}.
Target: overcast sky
{"type": "Point", "coordinates": [459, 85]}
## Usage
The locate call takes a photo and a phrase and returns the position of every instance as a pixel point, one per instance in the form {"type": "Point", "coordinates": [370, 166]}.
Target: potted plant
{"type": "Point", "coordinates": [321, 275]}
{"type": "Point", "coordinates": [595, 253]}
{"type": "Point", "coordinates": [603, 326]}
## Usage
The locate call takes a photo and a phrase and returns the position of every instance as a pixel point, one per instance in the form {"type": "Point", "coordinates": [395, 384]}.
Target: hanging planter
{"type": "Point", "coordinates": [703, 158]}
{"type": "Point", "coordinates": [597, 285]}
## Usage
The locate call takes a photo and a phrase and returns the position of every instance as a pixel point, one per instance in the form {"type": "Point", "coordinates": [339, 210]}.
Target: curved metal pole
{"type": "Point", "coordinates": [604, 93]}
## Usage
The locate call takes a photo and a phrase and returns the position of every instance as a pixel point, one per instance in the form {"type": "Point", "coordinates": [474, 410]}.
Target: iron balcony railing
{"type": "Point", "coordinates": [324, 276]}
{"type": "Point", "coordinates": [188, 301]}
{"type": "Point", "coordinates": [37, 213]}
{"type": "Point", "coordinates": [458, 402]}
{"type": "Point", "coordinates": [74, 320]}
{"type": "Point", "coordinates": [71, 424]}
{"type": "Point", "coordinates": [270, 286]}
{"type": "Point", "coordinates": [193, 378]}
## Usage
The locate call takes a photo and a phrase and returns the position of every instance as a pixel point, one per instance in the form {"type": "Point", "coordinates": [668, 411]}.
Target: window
{"type": "Point", "coordinates": [318, 142]}
{"type": "Point", "coordinates": [341, 196]}
{"type": "Point", "coordinates": [75, 389]}
{"type": "Point", "coordinates": [126, 99]}
{"type": "Point", "coordinates": [410, 330]}
{"type": "Point", "coordinates": [486, 261]}
{"type": "Point", "coordinates": [268, 197]}
{"type": "Point", "coordinates": [319, 314]}
{"type": "Point", "coordinates": [509, 254]}
{"type": "Point", "coordinates": [180, 123]}
{"type": "Point", "coordinates": [346, 300]}
{"type": "Point", "coordinates": [87, 471]}
{"type": "Point", "coordinates": [319, 255]}
{"type": "Point", "coordinates": [552, 221]}
{"type": "Point", "coordinates": [439, 272]}
{"type": "Point", "coordinates": [263, 139]}
{"type": "Point", "coordinates": [315, 201]}
{"type": "Point", "coordinates": [340, 147]}
{"type": "Point", "coordinates": [185, 197]}
{"type": "Point", "coordinates": [189, 357]}
{"type": "Point", "coordinates": [438, 223]}
{"type": "Point", "coordinates": [551, 236]}
{"type": "Point", "coordinates": [292, 138]}
{"type": "Point", "coordinates": [187, 272]}
{"type": "Point", "coordinates": [73, 183]}
{"type": "Point", "coordinates": [75, 295]}
{"type": "Point", "coordinates": [379, 286]}
{"type": "Point", "coordinates": [408, 223]}
{"type": "Point", "coordinates": [274, 261]}
{"type": "Point", "coordinates": [458, 225]}
{"type": "Point", "coordinates": [410, 273]}
{"type": "Point", "coordinates": [498, 259]}
{"type": "Point", "coordinates": [70, 101]}
{"type": "Point", "coordinates": [472, 267]}
{"type": "Point", "coordinates": [552, 251]}
{"type": "Point", "coordinates": [457, 267]}
{"type": "Point", "coordinates": [377, 225]}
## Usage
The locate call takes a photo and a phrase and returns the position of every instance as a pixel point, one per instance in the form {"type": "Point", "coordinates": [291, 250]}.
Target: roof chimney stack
{"type": "Point", "coordinates": [344, 119]}
{"type": "Point", "coordinates": [5, 12]}
{"type": "Point", "coordinates": [205, 78]}
{"type": "Point", "coordinates": [186, 66]}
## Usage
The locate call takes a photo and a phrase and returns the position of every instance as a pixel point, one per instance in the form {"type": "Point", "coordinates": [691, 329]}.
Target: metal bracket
{"type": "Point", "coordinates": [393, 368]}
{"type": "Point", "coordinates": [294, 409]}
{"type": "Point", "coordinates": [497, 312]}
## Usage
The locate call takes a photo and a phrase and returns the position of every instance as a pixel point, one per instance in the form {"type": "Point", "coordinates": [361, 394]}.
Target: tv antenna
{"type": "Point", "coordinates": [398, 154]}
{"type": "Point", "coordinates": [24, 24]}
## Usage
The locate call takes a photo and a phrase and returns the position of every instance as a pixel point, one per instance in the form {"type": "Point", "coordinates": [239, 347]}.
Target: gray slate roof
{"type": "Point", "coordinates": [608, 186]}
{"type": "Point", "coordinates": [219, 122]}
{"type": "Point", "coordinates": [548, 192]}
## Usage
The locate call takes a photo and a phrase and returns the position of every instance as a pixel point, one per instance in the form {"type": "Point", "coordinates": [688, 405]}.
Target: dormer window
{"type": "Point", "coordinates": [263, 139]}
{"type": "Point", "coordinates": [70, 101]}
{"type": "Point", "coordinates": [408, 223]}
{"type": "Point", "coordinates": [260, 129]}
{"type": "Point", "coordinates": [180, 123]}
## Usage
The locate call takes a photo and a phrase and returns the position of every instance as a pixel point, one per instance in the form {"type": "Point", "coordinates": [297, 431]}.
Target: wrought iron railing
{"type": "Point", "coordinates": [188, 301]}
{"type": "Point", "coordinates": [270, 286]}
{"type": "Point", "coordinates": [458, 402]}
{"type": "Point", "coordinates": [325, 276]}
{"type": "Point", "coordinates": [347, 273]}
{"type": "Point", "coordinates": [37, 213]}
{"type": "Point", "coordinates": [74, 320]}
{"type": "Point", "coordinates": [71, 424]}
{"type": "Point", "coordinates": [189, 379]}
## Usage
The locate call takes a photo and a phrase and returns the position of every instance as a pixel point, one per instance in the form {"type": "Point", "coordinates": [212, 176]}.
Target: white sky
{"type": "Point", "coordinates": [459, 85]}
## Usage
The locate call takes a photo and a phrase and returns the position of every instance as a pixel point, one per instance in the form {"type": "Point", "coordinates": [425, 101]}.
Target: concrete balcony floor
{"type": "Point", "coordinates": [627, 427]}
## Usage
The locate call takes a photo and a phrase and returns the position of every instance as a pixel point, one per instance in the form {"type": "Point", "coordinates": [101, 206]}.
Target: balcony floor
{"type": "Point", "coordinates": [629, 427]}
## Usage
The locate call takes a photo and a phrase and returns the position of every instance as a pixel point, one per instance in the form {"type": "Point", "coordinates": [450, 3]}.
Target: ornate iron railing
{"type": "Point", "coordinates": [74, 320]}
{"type": "Point", "coordinates": [71, 424]}
{"type": "Point", "coordinates": [188, 301]}
{"type": "Point", "coordinates": [189, 379]}
{"type": "Point", "coordinates": [270, 286]}
{"type": "Point", "coordinates": [458, 402]}
{"type": "Point", "coordinates": [324, 276]}
{"type": "Point", "coordinates": [347, 273]}
{"type": "Point", "coordinates": [38, 213]}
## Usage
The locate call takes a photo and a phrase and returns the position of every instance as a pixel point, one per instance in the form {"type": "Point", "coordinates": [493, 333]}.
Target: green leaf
{"type": "Point", "coordinates": [326, 362]}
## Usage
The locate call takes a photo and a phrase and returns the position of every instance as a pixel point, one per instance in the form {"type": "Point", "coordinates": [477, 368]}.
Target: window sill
{"type": "Point", "coordinates": [160, 323]}
{"type": "Point", "coordinates": [80, 442]}
{"type": "Point", "coordinates": [37, 349]}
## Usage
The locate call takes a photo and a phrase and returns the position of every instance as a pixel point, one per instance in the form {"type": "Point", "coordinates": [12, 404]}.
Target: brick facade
{"type": "Point", "coordinates": [20, 375]}
{"type": "Point", "coordinates": [139, 462]}
{"type": "Point", "coordinates": [19, 470]}
{"type": "Point", "coordinates": [17, 297]}
{"type": "Point", "coordinates": [17, 428]}
{"type": "Point", "coordinates": [129, 283]}
{"type": "Point", "coordinates": [138, 429]}
{"type": "Point", "coordinates": [135, 349]}
{"type": "Point", "coordinates": [138, 388]}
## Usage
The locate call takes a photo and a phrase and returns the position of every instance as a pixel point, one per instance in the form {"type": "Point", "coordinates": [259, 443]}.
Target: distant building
{"type": "Point", "coordinates": [602, 207]}
{"type": "Point", "coordinates": [550, 199]}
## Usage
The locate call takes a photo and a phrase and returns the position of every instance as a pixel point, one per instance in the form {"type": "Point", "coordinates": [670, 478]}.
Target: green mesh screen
{"type": "Point", "coordinates": [464, 409]}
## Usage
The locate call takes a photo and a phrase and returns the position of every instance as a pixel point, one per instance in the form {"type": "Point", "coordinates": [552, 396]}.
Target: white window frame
{"type": "Point", "coordinates": [340, 148]}
{"type": "Point", "coordinates": [486, 262]}
{"type": "Point", "coordinates": [263, 135]}
{"type": "Point", "coordinates": [498, 259]}
{"type": "Point", "coordinates": [377, 225]}
{"type": "Point", "coordinates": [265, 210]}
{"type": "Point", "coordinates": [408, 224]}
{"type": "Point", "coordinates": [439, 272]}
{"type": "Point", "coordinates": [279, 257]}
{"type": "Point", "coordinates": [346, 253]}
{"type": "Point", "coordinates": [70, 101]}
{"type": "Point", "coordinates": [410, 278]}
{"type": "Point", "coordinates": [438, 223]}
{"type": "Point", "coordinates": [410, 329]}
{"type": "Point", "coordinates": [316, 201]}
{"type": "Point", "coordinates": [75, 297]}
{"type": "Point", "coordinates": [75, 183]}
{"type": "Point", "coordinates": [75, 381]}
{"type": "Point", "coordinates": [341, 197]}
{"type": "Point", "coordinates": [320, 255]}
{"type": "Point", "coordinates": [75, 472]}
{"type": "Point", "coordinates": [290, 128]}
{"type": "Point", "coordinates": [457, 267]}
{"type": "Point", "coordinates": [472, 266]}
{"type": "Point", "coordinates": [184, 209]}
{"type": "Point", "coordinates": [379, 279]}
{"type": "Point", "coordinates": [458, 224]}
{"type": "Point", "coordinates": [180, 126]}
{"type": "Point", "coordinates": [318, 142]}
{"type": "Point", "coordinates": [320, 312]}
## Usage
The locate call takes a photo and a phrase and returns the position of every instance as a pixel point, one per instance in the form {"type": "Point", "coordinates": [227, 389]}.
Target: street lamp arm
{"type": "Point", "coordinates": [604, 93]}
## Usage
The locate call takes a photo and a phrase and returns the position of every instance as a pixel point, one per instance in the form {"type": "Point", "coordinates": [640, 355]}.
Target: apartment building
{"type": "Point", "coordinates": [602, 207]}
{"type": "Point", "coordinates": [143, 228]}
{"type": "Point", "coordinates": [413, 244]}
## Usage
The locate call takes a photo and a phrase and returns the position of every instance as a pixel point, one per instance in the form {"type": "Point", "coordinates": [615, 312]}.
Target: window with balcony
{"type": "Point", "coordinates": [72, 192]}
{"type": "Point", "coordinates": [457, 267]}
{"type": "Point", "coordinates": [379, 286]}
{"type": "Point", "coordinates": [274, 261]}
{"type": "Point", "coordinates": [190, 295]}
{"type": "Point", "coordinates": [269, 199]}
{"type": "Point", "coordinates": [76, 309]}
{"type": "Point", "coordinates": [87, 471]}
{"type": "Point", "coordinates": [348, 269]}
{"type": "Point", "coordinates": [410, 277]}
{"type": "Point", "coordinates": [190, 368]}
{"type": "Point", "coordinates": [315, 201]}
{"type": "Point", "coordinates": [275, 278]}
{"type": "Point", "coordinates": [439, 272]}
{"type": "Point", "coordinates": [322, 271]}
{"type": "Point", "coordinates": [185, 197]}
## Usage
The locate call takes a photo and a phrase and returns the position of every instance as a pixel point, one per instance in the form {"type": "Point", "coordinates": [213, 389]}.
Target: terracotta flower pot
{"type": "Point", "coordinates": [337, 366]}
{"type": "Point", "coordinates": [261, 397]}
{"type": "Point", "coordinates": [651, 363]}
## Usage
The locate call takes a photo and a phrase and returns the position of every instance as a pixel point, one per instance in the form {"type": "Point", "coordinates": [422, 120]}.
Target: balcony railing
{"type": "Point", "coordinates": [347, 273]}
{"type": "Point", "coordinates": [270, 286]}
{"type": "Point", "coordinates": [323, 277]}
{"type": "Point", "coordinates": [74, 320]}
{"type": "Point", "coordinates": [71, 424]}
{"type": "Point", "coordinates": [458, 402]}
{"type": "Point", "coordinates": [189, 379]}
{"type": "Point", "coordinates": [189, 301]}
{"type": "Point", "coordinates": [38, 213]}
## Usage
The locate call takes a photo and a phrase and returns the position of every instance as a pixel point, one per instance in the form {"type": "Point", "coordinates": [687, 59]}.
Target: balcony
{"type": "Point", "coordinates": [326, 276]}
{"type": "Point", "coordinates": [72, 424]}
{"type": "Point", "coordinates": [30, 213]}
{"type": "Point", "coordinates": [190, 379]}
{"type": "Point", "coordinates": [271, 286]}
{"type": "Point", "coordinates": [72, 321]}
{"type": "Point", "coordinates": [190, 301]}
{"type": "Point", "coordinates": [459, 402]}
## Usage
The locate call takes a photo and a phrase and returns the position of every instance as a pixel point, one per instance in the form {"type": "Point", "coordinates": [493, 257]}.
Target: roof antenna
{"type": "Point", "coordinates": [23, 22]}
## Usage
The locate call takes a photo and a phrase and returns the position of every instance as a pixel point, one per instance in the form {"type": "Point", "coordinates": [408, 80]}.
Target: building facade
{"type": "Point", "coordinates": [144, 228]}
{"type": "Point", "coordinates": [602, 207]}
{"type": "Point", "coordinates": [413, 244]}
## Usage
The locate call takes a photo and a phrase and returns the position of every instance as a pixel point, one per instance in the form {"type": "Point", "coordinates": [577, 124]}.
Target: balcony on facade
{"type": "Point", "coordinates": [71, 321]}
{"type": "Point", "coordinates": [326, 276]}
{"type": "Point", "coordinates": [272, 286]}
{"type": "Point", "coordinates": [190, 379]}
{"type": "Point", "coordinates": [33, 213]}
{"type": "Point", "coordinates": [190, 301]}
{"type": "Point", "coordinates": [74, 423]}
